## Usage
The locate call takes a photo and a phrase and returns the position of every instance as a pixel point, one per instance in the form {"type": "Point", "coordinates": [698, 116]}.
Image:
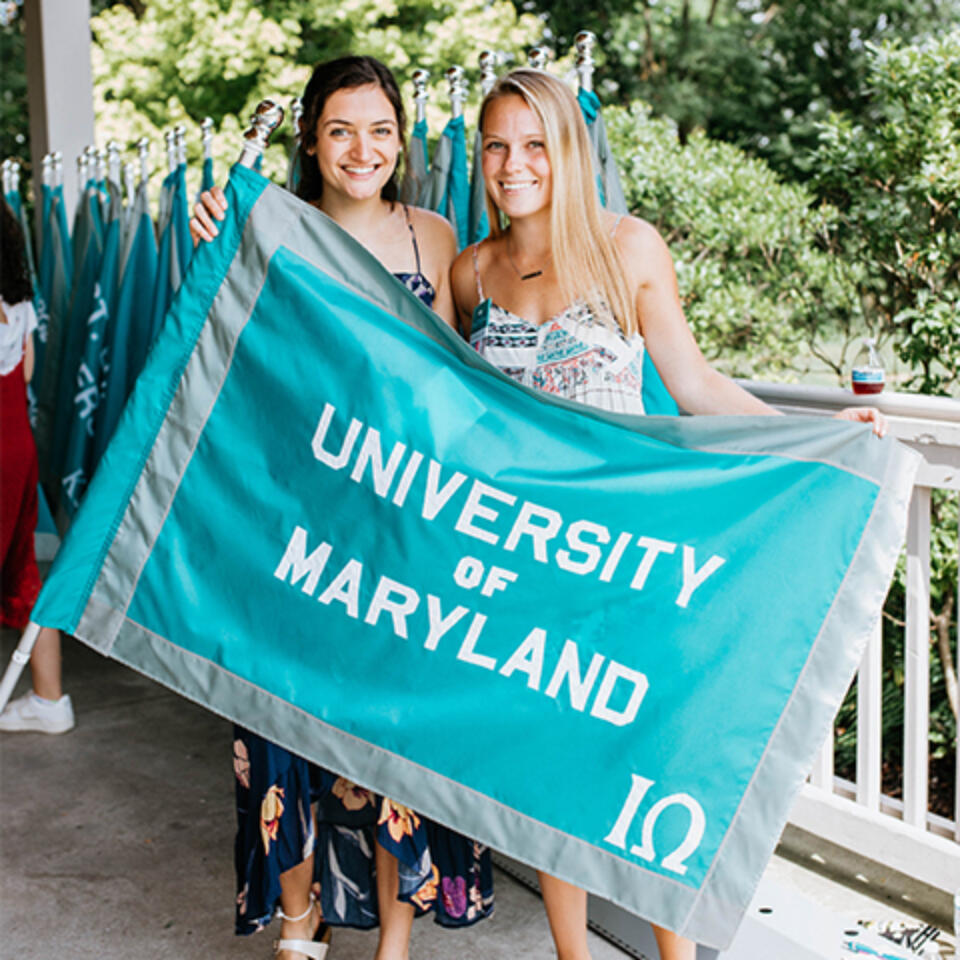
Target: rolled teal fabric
{"type": "Point", "coordinates": [608, 177]}
{"type": "Point", "coordinates": [131, 319]}
{"type": "Point", "coordinates": [174, 245]}
{"type": "Point", "coordinates": [56, 280]}
{"type": "Point", "coordinates": [325, 517]}
{"type": "Point", "coordinates": [88, 246]}
{"type": "Point", "coordinates": [207, 180]}
{"type": "Point", "coordinates": [418, 163]}
{"type": "Point", "coordinates": [479, 221]}
{"type": "Point", "coordinates": [92, 372]}
{"type": "Point", "coordinates": [448, 184]}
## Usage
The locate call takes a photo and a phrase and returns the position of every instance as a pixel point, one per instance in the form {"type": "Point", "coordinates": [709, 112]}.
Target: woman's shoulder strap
{"type": "Point", "coordinates": [476, 271]}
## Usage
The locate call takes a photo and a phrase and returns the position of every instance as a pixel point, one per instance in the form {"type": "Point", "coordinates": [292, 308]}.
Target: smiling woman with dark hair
{"type": "Point", "coordinates": [371, 861]}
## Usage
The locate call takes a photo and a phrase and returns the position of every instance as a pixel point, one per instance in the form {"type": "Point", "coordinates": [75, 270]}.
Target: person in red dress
{"type": "Point", "coordinates": [45, 709]}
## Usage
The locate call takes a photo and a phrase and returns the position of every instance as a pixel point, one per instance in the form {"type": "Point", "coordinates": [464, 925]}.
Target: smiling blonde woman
{"type": "Point", "coordinates": [566, 298]}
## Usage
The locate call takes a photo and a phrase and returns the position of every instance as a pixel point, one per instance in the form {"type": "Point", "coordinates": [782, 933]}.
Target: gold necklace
{"type": "Point", "coordinates": [526, 276]}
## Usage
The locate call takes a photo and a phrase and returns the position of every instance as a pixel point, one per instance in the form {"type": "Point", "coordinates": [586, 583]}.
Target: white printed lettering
{"type": "Point", "coordinates": [528, 658]}
{"type": "Point", "coordinates": [295, 558]}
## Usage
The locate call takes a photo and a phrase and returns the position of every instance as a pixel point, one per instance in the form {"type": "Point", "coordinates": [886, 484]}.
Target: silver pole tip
{"type": "Point", "coordinates": [266, 118]}
{"type": "Point", "coordinates": [585, 41]}
{"type": "Point", "coordinates": [538, 57]}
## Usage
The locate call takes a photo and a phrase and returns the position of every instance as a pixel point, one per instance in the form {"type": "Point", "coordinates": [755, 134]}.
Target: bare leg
{"type": "Point", "coordinates": [295, 900]}
{"type": "Point", "coordinates": [45, 664]}
{"type": "Point", "coordinates": [396, 917]}
{"type": "Point", "coordinates": [566, 907]}
{"type": "Point", "coordinates": [672, 946]}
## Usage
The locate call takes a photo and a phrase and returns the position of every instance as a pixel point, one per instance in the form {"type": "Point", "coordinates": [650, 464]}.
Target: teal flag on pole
{"type": "Point", "coordinates": [207, 180]}
{"type": "Point", "coordinates": [608, 177]}
{"type": "Point", "coordinates": [93, 369]}
{"type": "Point", "coordinates": [89, 229]}
{"type": "Point", "coordinates": [175, 245]}
{"type": "Point", "coordinates": [448, 187]}
{"type": "Point", "coordinates": [15, 202]}
{"type": "Point", "coordinates": [325, 517]}
{"type": "Point", "coordinates": [479, 221]}
{"type": "Point", "coordinates": [87, 218]}
{"type": "Point", "coordinates": [656, 398]}
{"type": "Point", "coordinates": [415, 173]}
{"type": "Point", "coordinates": [42, 284]}
{"type": "Point", "coordinates": [56, 281]}
{"type": "Point", "coordinates": [131, 319]}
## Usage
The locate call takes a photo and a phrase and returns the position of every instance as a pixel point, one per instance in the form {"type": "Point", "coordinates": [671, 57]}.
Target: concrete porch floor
{"type": "Point", "coordinates": [116, 841]}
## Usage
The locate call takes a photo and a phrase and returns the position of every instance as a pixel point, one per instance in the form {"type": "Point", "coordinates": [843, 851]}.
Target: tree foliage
{"type": "Point", "coordinates": [762, 293]}
{"type": "Point", "coordinates": [896, 182]}
{"type": "Point", "coordinates": [167, 61]}
{"type": "Point", "coordinates": [759, 73]}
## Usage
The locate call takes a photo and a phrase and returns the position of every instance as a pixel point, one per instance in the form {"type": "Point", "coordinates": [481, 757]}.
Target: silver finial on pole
{"type": "Point", "coordinates": [15, 176]}
{"type": "Point", "coordinates": [82, 171]}
{"type": "Point", "coordinates": [266, 118]}
{"type": "Point", "coordinates": [170, 141]}
{"type": "Point", "coordinates": [488, 71]}
{"type": "Point", "coordinates": [113, 162]}
{"type": "Point", "coordinates": [584, 42]}
{"type": "Point", "coordinates": [97, 163]}
{"type": "Point", "coordinates": [90, 161]}
{"type": "Point", "coordinates": [457, 86]}
{"type": "Point", "coordinates": [206, 137]}
{"type": "Point", "coordinates": [130, 180]}
{"type": "Point", "coordinates": [180, 143]}
{"type": "Point", "coordinates": [46, 177]}
{"type": "Point", "coordinates": [143, 155]}
{"type": "Point", "coordinates": [420, 95]}
{"type": "Point", "coordinates": [6, 176]}
{"type": "Point", "coordinates": [538, 57]}
{"type": "Point", "coordinates": [57, 168]}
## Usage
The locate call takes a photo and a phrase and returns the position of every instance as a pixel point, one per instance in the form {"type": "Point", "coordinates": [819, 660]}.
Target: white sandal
{"type": "Point", "coordinates": [309, 948]}
{"type": "Point", "coordinates": [312, 949]}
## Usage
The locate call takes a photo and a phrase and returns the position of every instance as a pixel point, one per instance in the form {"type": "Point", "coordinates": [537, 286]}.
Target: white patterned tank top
{"type": "Point", "coordinates": [573, 354]}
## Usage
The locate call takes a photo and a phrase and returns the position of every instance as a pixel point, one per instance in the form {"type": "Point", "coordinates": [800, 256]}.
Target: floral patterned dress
{"type": "Point", "coordinates": [439, 870]}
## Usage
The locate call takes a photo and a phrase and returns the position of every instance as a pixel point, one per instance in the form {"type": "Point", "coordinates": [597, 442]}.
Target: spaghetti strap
{"type": "Point", "coordinates": [476, 271]}
{"type": "Point", "coordinates": [413, 236]}
{"type": "Point", "coordinates": [616, 226]}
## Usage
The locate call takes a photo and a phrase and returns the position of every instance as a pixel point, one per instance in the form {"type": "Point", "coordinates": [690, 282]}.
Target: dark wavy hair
{"type": "Point", "coordinates": [15, 284]}
{"type": "Point", "coordinates": [345, 73]}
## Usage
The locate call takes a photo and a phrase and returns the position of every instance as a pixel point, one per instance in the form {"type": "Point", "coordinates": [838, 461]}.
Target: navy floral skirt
{"type": "Point", "coordinates": [440, 870]}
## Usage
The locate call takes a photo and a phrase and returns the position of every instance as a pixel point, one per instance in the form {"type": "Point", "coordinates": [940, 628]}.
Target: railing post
{"type": "Point", "coordinates": [869, 721]}
{"type": "Point", "coordinates": [916, 721]}
{"type": "Point", "coordinates": [822, 774]}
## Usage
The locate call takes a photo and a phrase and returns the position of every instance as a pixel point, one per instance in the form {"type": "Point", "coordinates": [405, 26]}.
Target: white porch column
{"type": "Point", "coordinates": [59, 84]}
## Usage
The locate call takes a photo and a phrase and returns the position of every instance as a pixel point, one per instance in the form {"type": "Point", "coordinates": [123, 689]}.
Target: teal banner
{"type": "Point", "coordinates": [609, 646]}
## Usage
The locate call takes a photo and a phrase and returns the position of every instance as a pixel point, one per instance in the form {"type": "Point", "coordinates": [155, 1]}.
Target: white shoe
{"type": "Point", "coordinates": [30, 713]}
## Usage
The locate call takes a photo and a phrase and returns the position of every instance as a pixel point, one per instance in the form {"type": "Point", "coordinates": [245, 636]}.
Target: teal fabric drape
{"type": "Point", "coordinates": [448, 185]}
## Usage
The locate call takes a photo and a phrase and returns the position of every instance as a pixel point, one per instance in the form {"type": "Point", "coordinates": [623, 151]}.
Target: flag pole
{"type": "Point", "coordinates": [20, 658]}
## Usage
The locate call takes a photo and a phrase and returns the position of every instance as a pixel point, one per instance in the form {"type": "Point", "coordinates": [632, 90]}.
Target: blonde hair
{"type": "Point", "coordinates": [585, 257]}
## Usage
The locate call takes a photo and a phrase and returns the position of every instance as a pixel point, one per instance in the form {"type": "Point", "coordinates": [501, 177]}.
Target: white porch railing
{"type": "Point", "coordinates": [857, 815]}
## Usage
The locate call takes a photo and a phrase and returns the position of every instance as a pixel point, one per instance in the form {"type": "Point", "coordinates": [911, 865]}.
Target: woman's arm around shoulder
{"type": "Point", "coordinates": [438, 247]}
